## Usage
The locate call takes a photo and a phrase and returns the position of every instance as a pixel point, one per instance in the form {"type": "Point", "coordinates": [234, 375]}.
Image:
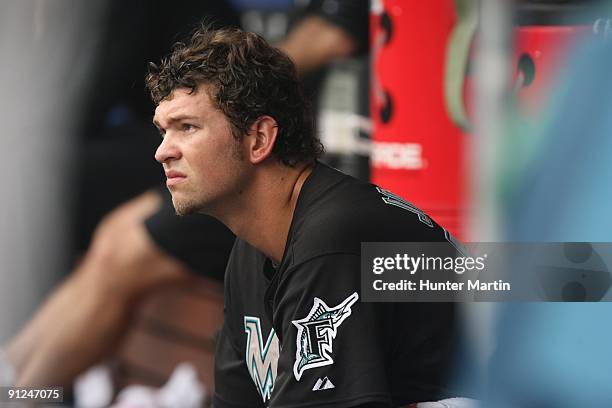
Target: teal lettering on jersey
{"type": "Point", "coordinates": [394, 199]}
{"type": "Point", "coordinates": [261, 359]}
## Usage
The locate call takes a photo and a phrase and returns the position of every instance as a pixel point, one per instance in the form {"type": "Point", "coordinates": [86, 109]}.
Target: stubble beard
{"type": "Point", "coordinates": [182, 208]}
{"type": "Point", "coordinates": [187, 205]}
{"type": "Point", "coordinates": [185, 208]}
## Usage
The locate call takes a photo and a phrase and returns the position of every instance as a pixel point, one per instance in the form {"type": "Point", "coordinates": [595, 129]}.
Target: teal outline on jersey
{"type": "Point", "coordinates": [324, 321]}
{"type": "Point", "coordinates": [260, 363]}
{"type": "Point", "coordinates": [393, 199]}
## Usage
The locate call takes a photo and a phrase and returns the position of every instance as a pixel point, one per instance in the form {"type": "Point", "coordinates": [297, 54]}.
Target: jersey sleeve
{"type": "Point", "coordinates": [332, 344]}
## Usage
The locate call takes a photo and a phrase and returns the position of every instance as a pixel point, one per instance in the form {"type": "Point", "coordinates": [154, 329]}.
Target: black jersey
{"type": "Point", "coordinates": [297, 334]}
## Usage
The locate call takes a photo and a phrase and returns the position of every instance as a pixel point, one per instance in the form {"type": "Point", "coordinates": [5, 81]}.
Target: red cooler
{"type": "Point", "coordinates": [417, 151]}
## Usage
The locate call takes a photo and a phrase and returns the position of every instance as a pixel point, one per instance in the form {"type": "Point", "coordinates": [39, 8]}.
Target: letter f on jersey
{"type": "Point", "coordinates": [261, 359]}
{"type": "Point", "coordinates": [316, 332]}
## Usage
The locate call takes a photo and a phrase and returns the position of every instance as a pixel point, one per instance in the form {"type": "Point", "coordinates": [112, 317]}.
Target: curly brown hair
{"type": "Point", "coordinates": [248, 78]}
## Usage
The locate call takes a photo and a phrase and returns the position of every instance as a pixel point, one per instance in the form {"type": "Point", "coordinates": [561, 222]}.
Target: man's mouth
{"type": "Point", "coordinates": [174, 177]}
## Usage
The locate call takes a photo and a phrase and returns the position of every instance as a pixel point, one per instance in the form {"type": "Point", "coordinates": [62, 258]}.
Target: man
{"type": "Point", "coordinates": [238, 145]}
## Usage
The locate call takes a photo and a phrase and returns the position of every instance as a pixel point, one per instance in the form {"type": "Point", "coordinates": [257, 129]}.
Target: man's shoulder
{"type": "Point", "coordinates": [334, 219]}
{"type": "Point", "coordinates": [353, 212]}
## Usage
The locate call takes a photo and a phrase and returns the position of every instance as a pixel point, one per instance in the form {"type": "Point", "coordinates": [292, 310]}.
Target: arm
{"type": "Point", "coordinates": [334, 346]}
{"type": "Point", "coordinates": [342, 351]}
{"type": "Point", "coordinates": [85, 317]}
{"type": "Point", "coordinates": [314, 42]}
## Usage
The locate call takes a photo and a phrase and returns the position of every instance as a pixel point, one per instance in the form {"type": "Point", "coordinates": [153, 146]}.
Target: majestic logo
{"type": "Point", "coordinates": [316, 333]}
{"type": "Point", "coordinates": [261, 359]}
{"type": "Point", "coordinates": [323, 384]}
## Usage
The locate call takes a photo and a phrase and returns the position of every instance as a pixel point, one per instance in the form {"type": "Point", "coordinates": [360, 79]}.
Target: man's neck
{"type": "Point", "coordinates": [265, 221]}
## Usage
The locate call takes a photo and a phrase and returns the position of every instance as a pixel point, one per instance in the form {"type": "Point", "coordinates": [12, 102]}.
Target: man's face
{"type": "Point", "coordinates": [200, 156]}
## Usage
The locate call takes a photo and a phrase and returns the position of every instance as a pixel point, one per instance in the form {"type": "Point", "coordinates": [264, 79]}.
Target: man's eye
{"type": "Point", "coordinates": [187, 127]}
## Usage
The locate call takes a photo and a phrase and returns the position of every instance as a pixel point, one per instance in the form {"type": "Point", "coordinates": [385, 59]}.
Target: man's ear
{"type": "Point", "coordinates": [261, 138]}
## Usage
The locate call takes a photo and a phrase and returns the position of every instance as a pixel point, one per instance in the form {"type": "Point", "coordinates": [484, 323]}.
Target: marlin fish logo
{"type": "Point", "coordinates": [316, 333]}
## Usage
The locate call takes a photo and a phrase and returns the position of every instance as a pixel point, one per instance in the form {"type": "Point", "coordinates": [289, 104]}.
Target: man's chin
{"type": "Point", "coordinates": [184, 208]}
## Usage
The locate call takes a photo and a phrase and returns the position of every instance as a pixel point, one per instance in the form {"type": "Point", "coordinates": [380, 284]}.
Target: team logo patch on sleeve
{"type": "Point", "coordinates": [316, 333]}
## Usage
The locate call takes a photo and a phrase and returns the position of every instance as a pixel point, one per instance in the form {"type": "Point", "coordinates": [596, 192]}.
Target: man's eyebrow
{"type": "Point", "coordinates": [178, 118]}
{"type": "Point", "coordinates": [173, 119]}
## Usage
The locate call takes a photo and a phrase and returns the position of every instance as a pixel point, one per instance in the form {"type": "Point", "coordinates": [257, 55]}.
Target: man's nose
{"type": "Point", "coordinates": [167, 151]}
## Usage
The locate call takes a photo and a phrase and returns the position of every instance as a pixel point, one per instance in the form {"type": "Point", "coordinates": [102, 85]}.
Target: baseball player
{"type": "Point", "coordinates": [238, 144]}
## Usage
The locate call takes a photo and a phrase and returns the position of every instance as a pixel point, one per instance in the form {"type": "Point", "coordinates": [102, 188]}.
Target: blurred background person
{"type": "Point", "coordinates": [543, 164]}
{"type": "Point", "coordinates": [556, 353]}
{"type": "Point", "coordinates": [115, 142]}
